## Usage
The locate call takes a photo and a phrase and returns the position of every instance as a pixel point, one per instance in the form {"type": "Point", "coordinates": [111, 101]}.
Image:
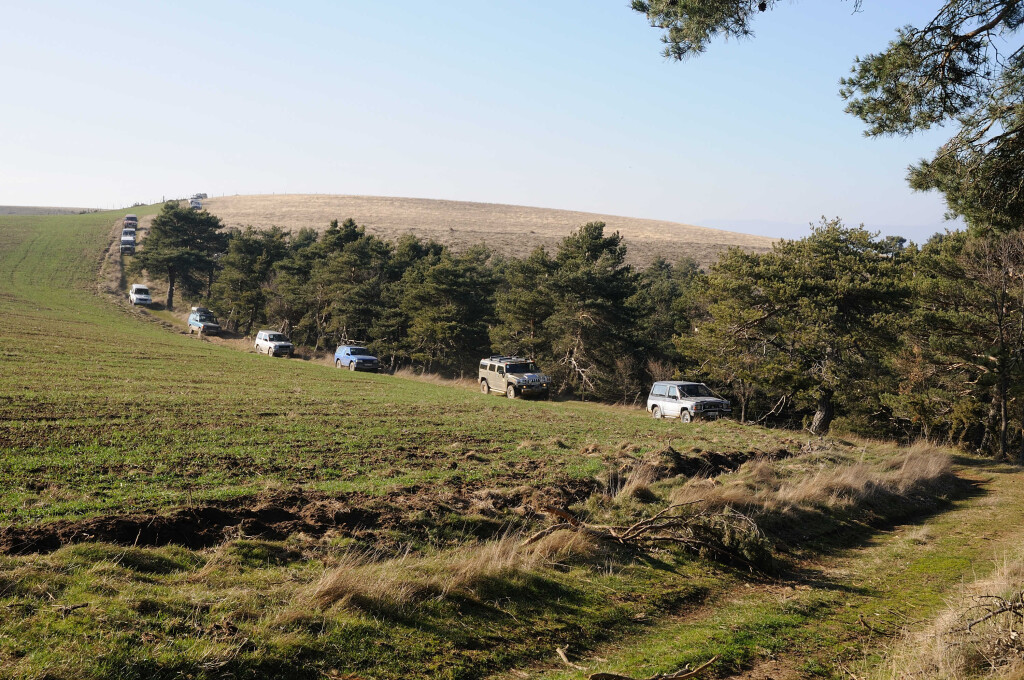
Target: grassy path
{"type": "Point", "coordinates": [838, 613]}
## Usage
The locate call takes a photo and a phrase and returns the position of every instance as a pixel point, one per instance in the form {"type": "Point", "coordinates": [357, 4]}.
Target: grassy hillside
{"type": "Point", "coordinates": [508, 229]}
{"type": "Point", "coordinates": [41, 210]}
{"type": "Point", "coordinates": [172, 507]}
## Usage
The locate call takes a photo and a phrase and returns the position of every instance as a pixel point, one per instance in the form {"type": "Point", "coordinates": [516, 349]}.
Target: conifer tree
{"type": "Point", "coordinates": [241, 290]}
{"type": "Point", "coordinates": [522, 306]}
{"type": "Point", "coordinates": [181, 248]}
{"type": "Point", "coordinates": [811, 320]}
{"type": "Point", "coordinates": [592, 322]}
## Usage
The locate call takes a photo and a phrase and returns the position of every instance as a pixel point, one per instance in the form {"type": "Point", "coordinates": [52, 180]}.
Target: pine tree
{"type": "Point", "coordinates": [592, 322]}
{"type": "Point", "coordinates": [181, 248]}
{"type": "Point", "coordinates": [812, 320]}
{"type": "Point", "coordinates": [241, 291]}
{"type": "Point", "coordinates": [522, 306]}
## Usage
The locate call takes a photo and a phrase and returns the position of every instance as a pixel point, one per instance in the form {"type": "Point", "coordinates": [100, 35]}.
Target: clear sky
{"type": "Point", "coordinates": [565, 104]}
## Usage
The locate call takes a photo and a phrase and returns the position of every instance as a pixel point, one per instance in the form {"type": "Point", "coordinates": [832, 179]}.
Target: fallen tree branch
{"type": "Point", "coordinates": [565, 658]}
{"type": "Point", "coordinates": [1004, 608]}
{"type": "Point", "coordinates": [678, 675]}
{"type": "Point", "coordinates": [65, 609]}
{"type": "Point", "coordinates": [701, 530]}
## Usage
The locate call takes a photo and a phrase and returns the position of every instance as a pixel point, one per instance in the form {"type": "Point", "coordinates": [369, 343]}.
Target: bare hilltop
{"type": "Point", "coordinates": [507, 229]}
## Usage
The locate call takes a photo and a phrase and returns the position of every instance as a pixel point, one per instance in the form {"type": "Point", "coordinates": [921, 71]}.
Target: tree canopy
{"type": "Point", "coordinates": [965, 68]}
{"type": "Point", "coordinates": [181, 248]}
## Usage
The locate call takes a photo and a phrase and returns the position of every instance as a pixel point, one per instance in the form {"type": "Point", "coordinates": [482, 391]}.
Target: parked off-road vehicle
{"type": "Point", "coordinates": [273, 344]}
{"type": "Point", "coordinates": [355, 358]}
{"type": "Point", "coordinates": [127, 246]}
{"type": "Point", "coordinates": [686, 401]}
{"type": "Point", "coordinates": [202, 321]}
{"type": "Point", "coordinates": [139, 295]}
{"type": "Point", "coordinates": [513, 377]}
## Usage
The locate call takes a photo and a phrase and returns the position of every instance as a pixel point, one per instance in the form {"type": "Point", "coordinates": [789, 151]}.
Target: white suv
{"type": "Point", "coordinates": [686, 401]}
{"type": "Point", "coordinates": [273, 344]}
{"type": "Point", "coordinates": [139, 295]}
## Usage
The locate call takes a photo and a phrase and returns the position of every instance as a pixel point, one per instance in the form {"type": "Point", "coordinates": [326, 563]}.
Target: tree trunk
{"type": "Point", "coordinates": [170, 288]}
{"type": "Point", "coordinates": [252, 320]}
{"type": "Point", "coordinates": [826, 411]}
{"type": "Point", "coordinates": [1004, 453]}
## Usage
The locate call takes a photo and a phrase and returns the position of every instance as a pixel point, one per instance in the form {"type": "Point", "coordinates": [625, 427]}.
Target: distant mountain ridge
{"type": "Point", "coordinates": [507, 229]}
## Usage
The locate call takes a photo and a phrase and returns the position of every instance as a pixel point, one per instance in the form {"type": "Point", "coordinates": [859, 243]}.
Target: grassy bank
{"type": "Point", "coordinates": [174, 507]}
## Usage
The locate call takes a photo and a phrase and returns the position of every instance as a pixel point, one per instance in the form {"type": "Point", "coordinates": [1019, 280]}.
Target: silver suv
{"type": "Point", "coordinates": [513, 376]}
{"type": "Point", "coordinates": [686, 401]}
{"type": "Point", "coordinates": [273, 344]}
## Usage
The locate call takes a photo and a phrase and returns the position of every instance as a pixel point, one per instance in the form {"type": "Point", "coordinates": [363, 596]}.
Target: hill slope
{"type": "Point", "coordinates": [508, 229]}
{"type": "Point", "coordinates": [171, 507]}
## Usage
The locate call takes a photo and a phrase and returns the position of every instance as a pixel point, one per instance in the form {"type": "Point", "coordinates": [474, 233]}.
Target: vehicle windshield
{"type": "Point", "coordinates": [528, 367]}
{"type": "Point", "coordinates": [359, 350]}
{"type": "Point", "coordinates": [205, 316]}
{"type": "Point", "coordinates": [142, 291]}
{"type": "Point", "coordinates": [695, 391]}
{"type": "Point", "coordinates": [276, 337]}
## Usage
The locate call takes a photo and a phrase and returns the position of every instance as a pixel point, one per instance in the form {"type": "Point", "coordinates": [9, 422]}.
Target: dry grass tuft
{"type": "Point", "coordinates": [823, 483]}
{"type": "Point", "coordinates": [366, 582]}
{"type": "Point", "coordinates": [948, 650]}
{"type": "Point", "coordinates": [435, 379]}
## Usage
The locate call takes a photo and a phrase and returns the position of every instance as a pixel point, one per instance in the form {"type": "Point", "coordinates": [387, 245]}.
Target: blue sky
{"type": "Point", "coordinates": [563, 104]}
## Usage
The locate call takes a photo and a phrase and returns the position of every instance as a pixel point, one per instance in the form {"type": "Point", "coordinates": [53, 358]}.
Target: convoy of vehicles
{"type": "Point", "coordinates": [139, 295]}
{"type": "Point", "coordinates": [685, 400]}
{"type": "Point", "coordinates": [509, 375]}
{"type": "Point", "coordinates": [273, 344]}
{"type": "Point", "coordinates": [513, 377]}
{"type": "Point", "coordinates": [128, 227]}
{"type": "Point", "coordinates": [355, 358]}
{"type": "Point", "coordinates": [202, 321]}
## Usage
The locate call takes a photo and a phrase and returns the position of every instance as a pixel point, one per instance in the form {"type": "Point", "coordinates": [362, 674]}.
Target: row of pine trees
{"type": "Point", "coordinates": [841, 327]}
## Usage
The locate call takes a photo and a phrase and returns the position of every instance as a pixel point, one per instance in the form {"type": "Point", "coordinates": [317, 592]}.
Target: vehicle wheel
{"type": "Point", "coordinates": [190, 331]}
{"type": "Point", "coordinates": [510, 392]}
{"type": "Point", "coordinates": [351, 365]}
{"type": "Point", "coordinates": [484, 387]}
{"type": "Point", "coordinates": [685, 417]}
{"type": "Point", "coordinates": [337, 363]}
{"type": "Point", "coordinates": [656, 413]}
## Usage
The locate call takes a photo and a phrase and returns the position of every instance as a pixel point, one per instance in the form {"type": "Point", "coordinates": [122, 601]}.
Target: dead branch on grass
{"type": "Point", "coordinates": [565, 658]}
{"type": "Point", "coordinates": [664, 527]}
{"type": "Point", "coordinates": [999, 606]}
{"type": "Point", "coordinates": [678, 675]}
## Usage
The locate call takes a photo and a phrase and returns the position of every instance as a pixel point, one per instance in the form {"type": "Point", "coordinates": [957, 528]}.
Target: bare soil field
{"type": "Point", "coordinates": [508, 229]}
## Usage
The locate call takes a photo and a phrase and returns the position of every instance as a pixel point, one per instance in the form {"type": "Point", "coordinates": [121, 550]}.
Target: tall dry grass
{"type": "Point", "coordinates": [947, 650]}
{"type": "Point", "coordinates": [507, 229]}
{"type": "Point", "coordinates": [833, 484]}
{"type": "Point", "coordinates": [465, 382]}
{"type": "Point", "coordinates": [366, 581]}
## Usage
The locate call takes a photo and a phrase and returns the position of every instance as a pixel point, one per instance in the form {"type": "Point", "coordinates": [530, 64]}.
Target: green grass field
{"type": "Point", "coordinates": [172, 507]}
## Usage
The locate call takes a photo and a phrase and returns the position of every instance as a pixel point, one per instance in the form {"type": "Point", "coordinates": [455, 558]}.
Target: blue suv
{"type": "Point", "coordinates": [202, 321]}
{"type": "Point", "coordinates": [355, 358]}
